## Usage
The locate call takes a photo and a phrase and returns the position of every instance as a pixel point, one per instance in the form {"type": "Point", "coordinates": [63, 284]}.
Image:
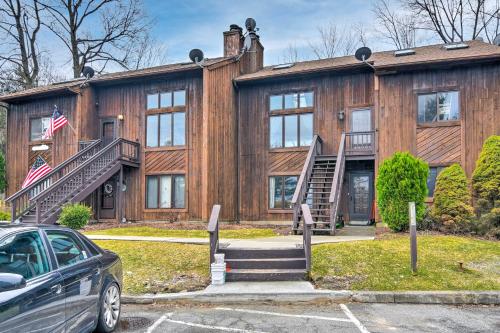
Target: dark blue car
{"type": "Point", "coordinates": [53, 279]}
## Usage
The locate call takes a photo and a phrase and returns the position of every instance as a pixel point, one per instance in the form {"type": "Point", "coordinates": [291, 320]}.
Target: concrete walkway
{"type": "Point", "coordinates": [347, 234]}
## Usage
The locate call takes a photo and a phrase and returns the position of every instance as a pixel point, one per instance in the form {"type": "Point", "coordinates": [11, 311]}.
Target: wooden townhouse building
{"type": "Point", "coordinates": [169, 142]}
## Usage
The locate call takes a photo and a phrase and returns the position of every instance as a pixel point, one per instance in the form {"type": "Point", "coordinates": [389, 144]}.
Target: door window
{"type": "Point", "coordinates": [23, 254]}
{"type": "Point", "coordinates": [361, 121]}
{"type": "Point", "coordinates": [67, 248]}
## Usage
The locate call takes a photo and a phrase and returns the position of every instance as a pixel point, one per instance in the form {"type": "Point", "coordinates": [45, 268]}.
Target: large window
{"type": "Point", "coordinates": [431, 179]}
{"type": "Point", "coordinates": [435, 107]}
{"type": "Point", "coordinates": [165, 191]}
{"type": "Point", "coordinates": [38, 126]}
{"type": "Point", "coordinates": [23, 254]}
{"type": "Point", "coordinates": [166, 99]}
{"type": "Point", "coordinates": [291, 130]}
{"type": "Point", "coordinates": [281, 190]}
{"type": "Point", "coordinates": [166, 129]}
{"type": "Point", "coordinates": [291, 101]}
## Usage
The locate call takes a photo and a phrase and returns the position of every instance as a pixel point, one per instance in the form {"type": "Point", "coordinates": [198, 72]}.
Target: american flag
{"type": "Point", "coordinates": [39, 169]}
{"type": "Point", "coordinates": [57, 121]}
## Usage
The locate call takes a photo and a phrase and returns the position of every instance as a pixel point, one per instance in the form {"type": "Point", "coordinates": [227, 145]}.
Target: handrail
{"type": "Point", "coordinates": [360, 143]}
{"type": "Point", "coordinates": [301, 188]}
{"type": "Point", "coordinates": [213, 230]}
{"type": "Point", "coordinates": [306, 235]}
{"type": "Point", "coordinates": [25, 202]}
{"type": "Point", "coordinates": [338, 178]}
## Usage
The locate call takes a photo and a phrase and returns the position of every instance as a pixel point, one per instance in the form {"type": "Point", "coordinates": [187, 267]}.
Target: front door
{"type": "Point", "coordinates": [360, 196]}
{"type": "Point", "coordinates": [107, 192]}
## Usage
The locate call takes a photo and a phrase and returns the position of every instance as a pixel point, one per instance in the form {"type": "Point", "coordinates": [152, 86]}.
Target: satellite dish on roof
{"type": "Point", "coordinates": [196, 56]}
{"type": "Point", "coordinates": [496, 41]}
{"type": "Point", "coordinates": [88, 72]}
{"type": "Point", "coordinates": [363, 53]}
{"type": "Point", "coordinates": [250, 24]}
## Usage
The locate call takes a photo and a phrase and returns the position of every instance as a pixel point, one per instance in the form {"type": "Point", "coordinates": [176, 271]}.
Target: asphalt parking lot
{"type": "Point", "coordinates": [351, 317]}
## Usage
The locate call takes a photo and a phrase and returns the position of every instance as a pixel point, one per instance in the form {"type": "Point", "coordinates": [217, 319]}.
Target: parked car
{"type": "Point", "coordinates": [54, 279]}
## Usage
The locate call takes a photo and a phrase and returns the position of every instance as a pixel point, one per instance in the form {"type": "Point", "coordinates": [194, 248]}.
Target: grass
{"type": "Point", "coordinates": [385, 264]}
{"type": "Point", "coordinates": [159, 232]}
{"type": "Point", "coordinates": [151, 267]}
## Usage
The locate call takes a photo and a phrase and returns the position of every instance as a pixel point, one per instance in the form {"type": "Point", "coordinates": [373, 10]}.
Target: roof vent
{"type": "Point", "coordinates": [406, 52]}
{"type": "Point", "coordinates": [455, 46]}
{"type": "Point", "coordinates": [283, 66]}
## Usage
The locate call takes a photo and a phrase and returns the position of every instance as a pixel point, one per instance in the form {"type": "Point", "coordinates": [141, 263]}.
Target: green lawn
{"type": "Point", "coordinates": [385, 264]}
{"type": "Point", "coordinates": [159, 232]}
{"type": "Point", "coordinates": [151, 267]}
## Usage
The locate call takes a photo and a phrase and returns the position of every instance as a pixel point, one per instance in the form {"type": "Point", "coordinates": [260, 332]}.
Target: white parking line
{"type": "Point", "coordinates": [354, 320]}
{"type": "Point", "coordinates": [219, 328]}
{"type": "Point", "coordinates": [158, 322]}
{"type": "Point", "coordinates": [285, 314]}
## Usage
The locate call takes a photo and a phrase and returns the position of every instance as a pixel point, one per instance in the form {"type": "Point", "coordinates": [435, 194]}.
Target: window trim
{"type": "Point", "coordinates": [281, 209]}
{"type": "Point", "coordinates": [172, 192]}
{"type": "Point", "coordinates": [158, 115]}
{"type": "Point", "coordinates": [282, 116]}
{"type": "Point", "coordinates": [30, 119]}
{"type": "Point", "coordinates": [438, 123]}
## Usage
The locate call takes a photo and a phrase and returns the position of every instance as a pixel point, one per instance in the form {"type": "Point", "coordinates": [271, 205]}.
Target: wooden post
{"type": "Point", "coordinates": [120, 196]}
{"type": "Point", "coordinates": [413, 236]}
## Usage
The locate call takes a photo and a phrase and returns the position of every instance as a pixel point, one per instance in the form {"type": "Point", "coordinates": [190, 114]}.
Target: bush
{"type": "Point", "coordinates": [4, 216]}
{"type": "Point", "coordinates": [486, 176]}
{"type": "Point", "coordinates": [489, 222]}
{"type": "Point", "coordinates": [401, 179]}
{"type": "Point", "coordinates": [75, 216]}
{"type": "Point", "coordinates": [452, 200]}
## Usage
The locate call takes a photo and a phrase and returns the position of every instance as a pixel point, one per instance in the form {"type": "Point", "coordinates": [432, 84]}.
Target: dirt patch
{"type": "Point", "coordinates": [179, 283]}
{"type": "Point", "coordinates": [279, 230]}
{"type": "Point", "coordinates": [338, 282]}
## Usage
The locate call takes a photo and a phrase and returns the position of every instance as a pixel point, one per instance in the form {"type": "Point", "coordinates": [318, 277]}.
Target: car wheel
{"type": "Point", "coordinates": [109, 313]}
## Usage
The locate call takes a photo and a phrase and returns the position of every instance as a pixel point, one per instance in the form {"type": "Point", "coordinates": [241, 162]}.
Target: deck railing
{"type": "Point", "coordinates": [21, 201]}
{"type": "Point", "coordinates": [306, 235]}
{"type": "Point", "coordinates": [360, 143]}
{"type": "Point", "coordinates": [300, 191]}
{"type": "Point", "coordinates": [336, 190]}
{"type": "Point", "coordinates": [213, 230]}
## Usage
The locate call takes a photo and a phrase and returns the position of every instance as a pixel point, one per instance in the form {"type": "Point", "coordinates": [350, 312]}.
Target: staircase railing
{"type": "Point", "coordinates": [336, 190]}
{"type": "Point", "coordinates": [213, 230]}
{"type": "Point", "coordinates": [21, 201]}
{"type": "Point", "coordinates": [306, 235]}
{"type": "Point", "coordinates": [50, 201]}
{"type": "Point", "coordinates": [300, 191]}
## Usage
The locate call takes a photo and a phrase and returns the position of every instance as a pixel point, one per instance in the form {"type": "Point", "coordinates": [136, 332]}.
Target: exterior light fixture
{"type": "Point", "coordinates": [120, 117]}
{"type": "Point", "coordinates": [341, 115]}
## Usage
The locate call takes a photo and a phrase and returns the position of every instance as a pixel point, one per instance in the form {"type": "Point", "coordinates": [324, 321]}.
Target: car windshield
{"type": "Point", "coordinates": [23, 253]}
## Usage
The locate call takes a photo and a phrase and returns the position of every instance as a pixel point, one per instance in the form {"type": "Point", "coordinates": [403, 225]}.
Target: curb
{"type": "Point", "coordinates": [341, 296]}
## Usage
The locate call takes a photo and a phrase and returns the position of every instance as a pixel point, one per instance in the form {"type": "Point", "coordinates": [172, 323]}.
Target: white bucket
{"type": "Point", "coordinates": [218, 273]}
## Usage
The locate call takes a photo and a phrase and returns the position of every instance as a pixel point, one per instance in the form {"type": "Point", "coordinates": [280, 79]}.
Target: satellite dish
{"type": "Point", "coordinates": [250, 24]}
{"type": "Point", "coordinates": [88, 72]}
{"type": "Point", "coordinates": [196, 56]}
{"type": "Point", "coordinates": [247, 43]}
{"type": "Point", "coordinates": [496, 41]}
{"type": "Point", "coordinates": [363, 53]}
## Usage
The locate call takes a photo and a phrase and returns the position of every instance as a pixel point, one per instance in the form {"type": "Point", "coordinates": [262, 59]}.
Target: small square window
{"type": "Point", "coordinates": [306, 99]}
{"type": "Point", "coordinates": [291, 101]}
{"type": "Point", "coordinates": [166, 100]}
{"type": "Point", "coordinates": [179, 98]}
{"type": "Point", "coordinates": [152, 101]}
{"type": "Point", "coordinates": [38, 126]}
{"type": "Point", "coordinates": [276, 102]}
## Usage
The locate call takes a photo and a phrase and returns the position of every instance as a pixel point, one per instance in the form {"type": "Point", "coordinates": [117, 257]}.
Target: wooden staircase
{"type": "Point", "coordinates": [73, 180]}
{"type": "Point", "coordinates": [319, 187]}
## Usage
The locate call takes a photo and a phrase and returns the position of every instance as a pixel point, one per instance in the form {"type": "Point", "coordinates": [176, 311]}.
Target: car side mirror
{"type": "Point", "coordinates": [10, 281]}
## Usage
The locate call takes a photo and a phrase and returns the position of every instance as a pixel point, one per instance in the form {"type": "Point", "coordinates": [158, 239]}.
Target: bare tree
{"type": "Point", "coordinates": [76, 23]}
{"type": "Point", "coordinates": [457, 20]}
{"type": "Point", "coordinates": [399, 29]}
{"type": "Point", "coordinates": [337, 42]}
{"type": "Point", "coordinates": [19, 27]}
{"type": "Point", "coordinates": [147, 53]}
{"type": "Point", "coordinates": [291, 54]}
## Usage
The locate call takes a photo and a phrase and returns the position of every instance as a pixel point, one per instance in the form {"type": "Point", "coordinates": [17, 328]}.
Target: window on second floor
{"type": "Point", "coordinates": [440, 106]}
{"type": "Point", "coordinates": [291, 101]}
{"type": "Point", "coordinates": [38, 126]}
{"type": "Point", "coordinates": [166, 129]}
{"type": "Point", "coordinates": [166, 99]}
{"type": "Point", "coordinates": [294, 130]}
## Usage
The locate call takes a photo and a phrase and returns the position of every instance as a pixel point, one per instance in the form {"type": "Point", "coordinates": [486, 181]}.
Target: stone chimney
{"type": "Point", "coordinates": [233, 41]}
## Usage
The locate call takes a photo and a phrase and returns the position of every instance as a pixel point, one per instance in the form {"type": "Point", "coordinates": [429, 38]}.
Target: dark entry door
{"type": "Point", "coordinates": [107, 192]}
{"type": "Point", "coordinates": [360, 195]}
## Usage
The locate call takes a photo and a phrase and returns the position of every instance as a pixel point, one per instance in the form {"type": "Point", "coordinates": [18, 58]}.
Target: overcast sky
{"type": "Point", "coordinates": [183, 25]}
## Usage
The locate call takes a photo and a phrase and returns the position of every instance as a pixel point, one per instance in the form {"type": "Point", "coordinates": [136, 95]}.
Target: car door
{"type": "Point", "coordinates": [38, 306]}
{"type": "Point", "coordinates": [80, 271]}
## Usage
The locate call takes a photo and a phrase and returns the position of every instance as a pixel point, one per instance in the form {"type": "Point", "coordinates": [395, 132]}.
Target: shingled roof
{"type": "Point", "coordinates": [431, 54]}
